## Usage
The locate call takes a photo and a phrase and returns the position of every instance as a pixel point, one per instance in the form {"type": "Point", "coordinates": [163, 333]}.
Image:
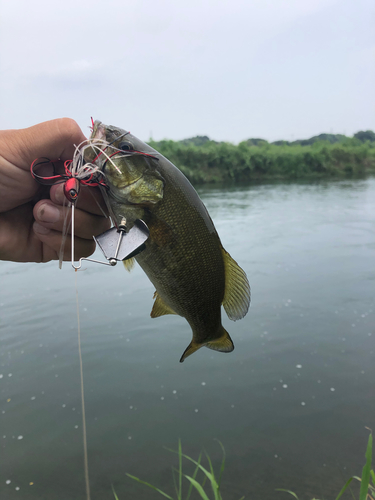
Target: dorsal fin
{"type": "Point", "coordinates": [222, 344]}
{"type": "Point", "coordinates": [129, 264]}
{"type": "Point", "coordinates": [160, 308]}
{"type": "Point", "coordinates": [236, 300]}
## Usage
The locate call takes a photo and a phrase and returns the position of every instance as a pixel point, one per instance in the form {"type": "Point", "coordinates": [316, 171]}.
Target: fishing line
{"type": "Point", "coordinates": [98, 204]}
{"type": "Point", "coordinates": [86, 463]}
{"type": "Point", "coordinates": [76, 171]}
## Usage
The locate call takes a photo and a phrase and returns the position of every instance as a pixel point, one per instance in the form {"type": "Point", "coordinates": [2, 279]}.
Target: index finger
{"type": "Point", "coordinates": [53, 139]}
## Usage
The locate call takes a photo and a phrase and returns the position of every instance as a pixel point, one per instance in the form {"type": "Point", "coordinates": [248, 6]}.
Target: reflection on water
{"type": "Point", "coordinates": [289, 404]}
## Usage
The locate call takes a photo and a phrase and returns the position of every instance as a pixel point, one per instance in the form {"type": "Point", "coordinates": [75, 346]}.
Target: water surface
{"type": "Point", "coordinates": [289, 404]}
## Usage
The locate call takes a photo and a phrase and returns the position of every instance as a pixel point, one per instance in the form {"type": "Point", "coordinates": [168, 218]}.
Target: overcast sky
{"type": "Point", "coordinates": [229, 69]}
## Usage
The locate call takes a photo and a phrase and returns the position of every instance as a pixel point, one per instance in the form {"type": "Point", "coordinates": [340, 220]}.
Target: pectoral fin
{"type": "Point", "coordinates": [160, 308]}
{"type": "Point", "coordinates": [236, 300]}
{"type": "Point", "coordinates": [222, 344]}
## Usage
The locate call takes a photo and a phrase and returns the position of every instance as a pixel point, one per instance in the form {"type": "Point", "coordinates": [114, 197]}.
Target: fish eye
{"type": "Point", "coordinates": [125, 146]}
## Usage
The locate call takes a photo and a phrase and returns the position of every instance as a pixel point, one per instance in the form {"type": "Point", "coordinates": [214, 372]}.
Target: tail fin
{"type": "Point", "coordinates": [222, 344]}
{"type": "Point", "coordinates": [191, 348]}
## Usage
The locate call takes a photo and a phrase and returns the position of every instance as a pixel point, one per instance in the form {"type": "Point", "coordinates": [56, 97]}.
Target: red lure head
{"type": "Point", "coordinates": [71, 189]}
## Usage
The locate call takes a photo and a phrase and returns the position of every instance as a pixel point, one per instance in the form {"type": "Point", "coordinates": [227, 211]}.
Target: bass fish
{"type": "Point", "coordinates": [183, 257]}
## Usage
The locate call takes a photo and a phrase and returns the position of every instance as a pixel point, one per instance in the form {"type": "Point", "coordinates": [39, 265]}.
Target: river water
{"type": "Point", "coordinates": [290, 404]}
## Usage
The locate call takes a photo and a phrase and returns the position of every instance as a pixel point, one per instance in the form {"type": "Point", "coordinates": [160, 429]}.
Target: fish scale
{"type": "Point", "coordinates": [192, 257]}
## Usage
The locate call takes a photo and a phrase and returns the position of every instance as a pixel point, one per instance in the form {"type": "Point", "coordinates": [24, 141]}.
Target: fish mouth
{"type": "Point", "coordinates": [107, 133]}
{"type": "Point", "coordinates": [98, 131]}
{"type": "Point", "coordinates": [128, 184]}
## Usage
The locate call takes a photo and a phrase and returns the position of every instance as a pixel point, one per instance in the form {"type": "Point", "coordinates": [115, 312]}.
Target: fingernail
{"type": "Point", "coordinates": [48, 213]}
{"type": "Point", "coordinates": [40, 229]}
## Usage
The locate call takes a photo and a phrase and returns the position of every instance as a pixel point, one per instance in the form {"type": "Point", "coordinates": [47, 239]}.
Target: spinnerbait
{"type": "Point", "coordinates": [118, 243]}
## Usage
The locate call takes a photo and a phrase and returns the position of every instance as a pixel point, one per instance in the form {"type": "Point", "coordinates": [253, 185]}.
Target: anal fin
{"type": "Point", "coordinates": [160, 308]}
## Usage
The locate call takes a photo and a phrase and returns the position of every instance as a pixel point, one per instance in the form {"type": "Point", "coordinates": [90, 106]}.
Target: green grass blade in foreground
{"type": "Point", "coordinates": [222, 463]}
{"type": "Point", "coordinates": [174, 481]}
{"type": "Point", "coordinates": [179, 470]}
{"type": "Point", "coordinates": [114, 493]}
{"type": "Point", "coordinates": [194, 484]}
{"type": "Point", "coordinates": [366, 471]}
{"type": "Point", "coordinates": [214, 483]}
{"type": "Point", "coordinates": [178, 488]}
{"type": "Point", "coordinates": [346, 485]}
{"type": "Point", "coordinates": [194, 476]}
{"type": "Point", "coordinates": [198, 487]}
{"type": "Point", "coordinates": [150, 486]}
{"type": "Point", "coordinates": [209, 475]}
{"type": "Point", "coordinates": [288, 491]}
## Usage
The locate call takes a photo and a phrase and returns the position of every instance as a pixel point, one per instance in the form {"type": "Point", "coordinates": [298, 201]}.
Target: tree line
{"type": "Point", "coordinates": [204, 160]}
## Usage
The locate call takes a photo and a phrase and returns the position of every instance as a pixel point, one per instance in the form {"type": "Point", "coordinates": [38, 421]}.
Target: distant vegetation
{"type": "Point", "coordinates": [203, 160]}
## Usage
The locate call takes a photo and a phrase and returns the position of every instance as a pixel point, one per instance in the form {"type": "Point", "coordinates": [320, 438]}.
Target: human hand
{"type": "Point", "coordinates": [31, 228]}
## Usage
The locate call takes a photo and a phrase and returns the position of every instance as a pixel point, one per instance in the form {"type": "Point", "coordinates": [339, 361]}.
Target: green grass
{"type": "Point", "coordinates": [207, 484]}
{"type": "Point", "coordinates": [367, 490]}
{"type": "Point", "coordinates": [203, 480]}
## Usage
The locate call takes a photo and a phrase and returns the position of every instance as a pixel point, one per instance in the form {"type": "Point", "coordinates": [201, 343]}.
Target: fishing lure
{"type": "Point", "coordinates": [117, 243]}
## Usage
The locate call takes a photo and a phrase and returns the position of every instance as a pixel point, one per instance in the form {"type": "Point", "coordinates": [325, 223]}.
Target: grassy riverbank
{"type": "Point", "coordinates": [203, 160]}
